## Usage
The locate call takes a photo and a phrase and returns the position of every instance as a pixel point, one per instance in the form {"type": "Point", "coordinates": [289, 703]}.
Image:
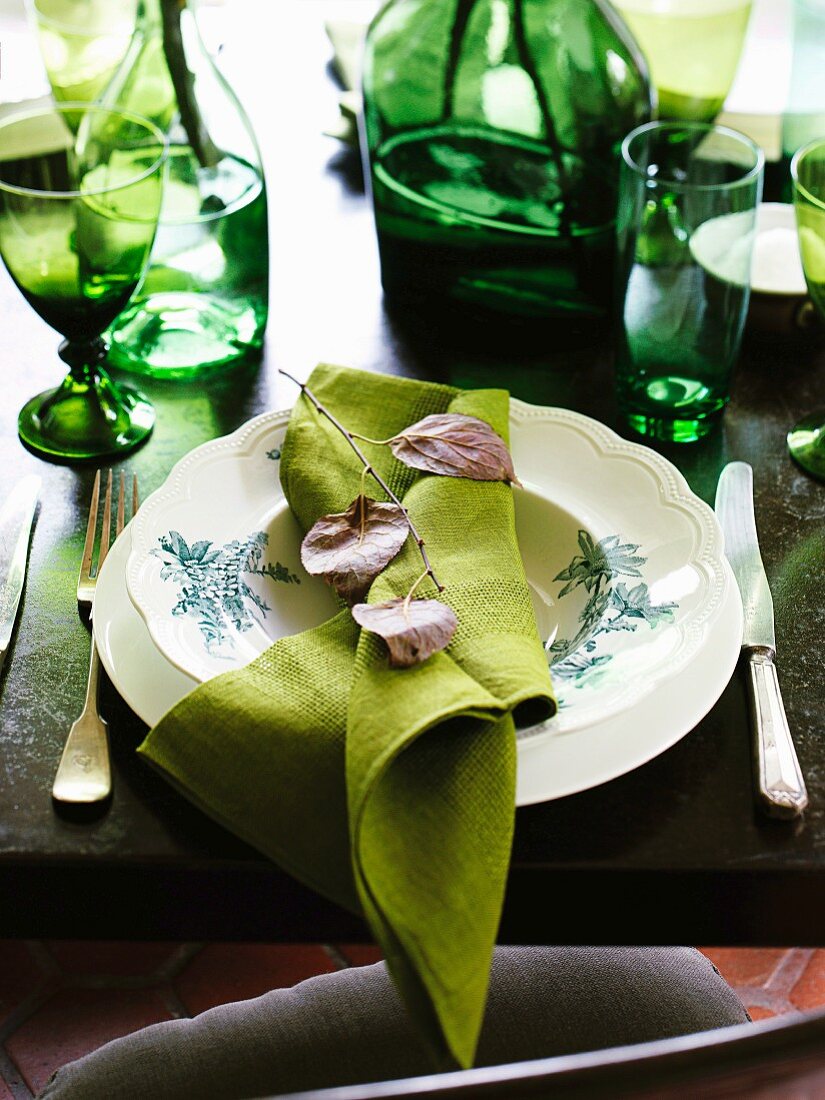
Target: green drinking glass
{"type": "Point", "coordinates": [692, 48]}
{"type": "Point", "coordinates": [80, 194]}
{"type": "Point", "coordinates": [806, 441]}
{"type": "Point", "coordinates": [688, 197]}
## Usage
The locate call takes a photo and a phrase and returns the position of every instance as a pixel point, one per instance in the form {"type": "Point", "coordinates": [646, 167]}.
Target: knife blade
{"type": "Point", "coordinates": [779, 782]}
{"type": "Point", "coordinates": [16, 519]}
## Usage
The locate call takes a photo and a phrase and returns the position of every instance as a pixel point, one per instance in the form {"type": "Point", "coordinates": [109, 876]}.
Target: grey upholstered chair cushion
{"type": "Point", "coordinates": [349, 1027]}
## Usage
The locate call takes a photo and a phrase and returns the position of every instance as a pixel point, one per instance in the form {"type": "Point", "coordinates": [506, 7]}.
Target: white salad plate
{"type": "Point", "coordinates": [625, 565]}
{"type": "Point", "coordinates": [550, 764]}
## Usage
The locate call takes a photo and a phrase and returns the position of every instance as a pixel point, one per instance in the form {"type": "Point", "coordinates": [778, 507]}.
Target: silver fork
{"type": "Point", "coordinates": [84, 773]}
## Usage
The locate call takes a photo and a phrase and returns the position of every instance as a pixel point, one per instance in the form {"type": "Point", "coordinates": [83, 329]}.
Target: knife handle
{"type": "Point", "coordinates": [781, 787]}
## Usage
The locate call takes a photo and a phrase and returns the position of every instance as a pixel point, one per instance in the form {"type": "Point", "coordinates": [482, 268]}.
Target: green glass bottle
{"type": "Point", "coordinates": [492, 130]}
{"type": "Point", "coordinates": [204, 301]}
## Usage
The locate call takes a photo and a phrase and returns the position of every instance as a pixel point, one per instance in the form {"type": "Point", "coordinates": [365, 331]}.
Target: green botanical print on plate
{"type": "Point", "coordinates": [611, 605]}
{"type": "Point", "coordinates": [211, 585]}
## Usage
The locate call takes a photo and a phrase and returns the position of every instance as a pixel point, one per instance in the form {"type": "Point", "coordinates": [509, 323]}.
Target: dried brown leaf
{"type": "Point", "coordinates": [413, 631]}
{"type": "Point", "coordinates": [455, 446]}
{"type": "Point", "coordinates": [349, 549]}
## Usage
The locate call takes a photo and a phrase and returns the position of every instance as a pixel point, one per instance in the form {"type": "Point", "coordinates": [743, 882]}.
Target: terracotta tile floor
{"type": "Point", "coordinates": [61, 999]}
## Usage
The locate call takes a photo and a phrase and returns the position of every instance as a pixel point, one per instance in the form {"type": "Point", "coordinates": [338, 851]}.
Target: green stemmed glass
{"type": "Point", "coordinates": [806, 441]}
{"type": "Point", "coordinates": [80, 194]}
{"type": "Point", "coordinates": [692, 48]}
{"type": "Point", "coordinates": [82, 42]}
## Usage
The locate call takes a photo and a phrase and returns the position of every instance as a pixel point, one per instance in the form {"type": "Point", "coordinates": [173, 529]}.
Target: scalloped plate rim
{"type": "Point", "coordinates": [605, 442]}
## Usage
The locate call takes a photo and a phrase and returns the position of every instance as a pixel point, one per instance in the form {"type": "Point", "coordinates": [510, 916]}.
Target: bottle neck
{"type": "Point", "coordinates": [150, 12]}
{"type": "Point", "coordinates": [149, 15]}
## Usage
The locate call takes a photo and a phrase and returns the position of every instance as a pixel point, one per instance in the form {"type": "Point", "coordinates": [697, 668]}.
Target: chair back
{"type": "Point", "coordinates": [781, 1059]}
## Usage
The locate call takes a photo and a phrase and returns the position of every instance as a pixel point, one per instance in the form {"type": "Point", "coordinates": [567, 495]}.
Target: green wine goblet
{"type": "Point", "coordinates": [82, 43]}
{"type": "Point", "coordinates": [806, 441]}
{"type": "Point", "coordinates": [692, 48]}
{"type": "Point", "coordinates": [80, 195]}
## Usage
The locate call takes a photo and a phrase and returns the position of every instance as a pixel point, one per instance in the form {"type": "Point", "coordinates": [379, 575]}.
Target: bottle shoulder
{"type": "Point", "coordinates": [504, 63]}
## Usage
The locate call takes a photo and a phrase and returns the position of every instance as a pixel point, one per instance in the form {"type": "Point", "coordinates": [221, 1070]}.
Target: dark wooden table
{"type": "Point", "coordinates": [672, 853]}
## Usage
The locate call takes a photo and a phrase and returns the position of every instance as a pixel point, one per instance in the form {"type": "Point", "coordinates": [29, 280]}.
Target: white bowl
{"type": "Point", "coordinates": [779, 303]}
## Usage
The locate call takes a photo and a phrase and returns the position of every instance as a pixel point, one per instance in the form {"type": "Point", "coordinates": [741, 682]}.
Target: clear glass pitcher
{"type": "Point", "coordinates": [204, 301]}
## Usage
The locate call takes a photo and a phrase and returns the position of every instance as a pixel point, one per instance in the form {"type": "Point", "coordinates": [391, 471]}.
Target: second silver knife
{"type": "Point", "coordinates": [16, 518]}
{"type": "Point", "coordinates": [780, 785]}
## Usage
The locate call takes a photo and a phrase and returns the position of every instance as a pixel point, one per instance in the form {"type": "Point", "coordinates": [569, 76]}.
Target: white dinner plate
{"type": "Point", "coordinates": [598, 516]}
{"type": "Point", "coordinates": [550, 764]}
{"type": "Point", "coordinates": [625, 564]}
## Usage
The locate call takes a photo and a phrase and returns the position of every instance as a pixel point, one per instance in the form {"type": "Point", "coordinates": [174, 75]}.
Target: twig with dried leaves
{"type": "Point", "coordinates": [369, 471]}
{"type": "Point", "coordinates": [350, 549]}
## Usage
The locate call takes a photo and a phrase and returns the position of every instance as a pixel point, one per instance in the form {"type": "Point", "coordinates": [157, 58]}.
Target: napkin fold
{"type": "Point", "coordinates": [392, 791]}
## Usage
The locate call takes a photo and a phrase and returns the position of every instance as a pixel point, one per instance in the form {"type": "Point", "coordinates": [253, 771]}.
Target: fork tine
{"type": "Point", "coordinates": [135, 495]}
{"type": "Point", "coordinates": [89, 545]}
{"type": "Point", "coordinates": [106, 532]}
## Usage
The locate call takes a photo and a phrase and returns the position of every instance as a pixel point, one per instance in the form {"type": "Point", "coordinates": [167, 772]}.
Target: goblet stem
{"type": "Point", "coordinates": [87, 415]}
{"type": "Point", "coordinates": [83, 358]}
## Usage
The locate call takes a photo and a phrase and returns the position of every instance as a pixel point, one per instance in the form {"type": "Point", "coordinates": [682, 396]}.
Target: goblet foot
{"type": "Point", "coordinates": [87, 416]}
{"type": "Point", "coordinates": [806, 442]}
{"type": "Point", "coordinates": [84, 419]}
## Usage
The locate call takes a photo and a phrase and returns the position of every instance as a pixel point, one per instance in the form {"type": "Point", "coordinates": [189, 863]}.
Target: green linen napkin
{"type": "Point", "coordinates": [391, 791]}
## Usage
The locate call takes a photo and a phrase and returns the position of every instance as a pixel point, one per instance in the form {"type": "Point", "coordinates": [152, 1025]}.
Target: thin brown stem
{"type": "Point", "coordinates": [366, 439]}
{"type": "Point", "coordinates": [428, 571]}
{"type": "Point", "coordinates": [362, 495]}
{"type": "Point", "coordinates": [411, 592]}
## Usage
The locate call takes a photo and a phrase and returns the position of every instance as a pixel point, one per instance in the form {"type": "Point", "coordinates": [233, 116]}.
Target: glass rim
{"type": "Point", "coordinates": [79, 105]}
{"type": "Point", "coordinates": [798, 156]}
{"type": "Point", "coordinates": [72, 28]}
{"type": "Point", "coordinates": [750, 175]}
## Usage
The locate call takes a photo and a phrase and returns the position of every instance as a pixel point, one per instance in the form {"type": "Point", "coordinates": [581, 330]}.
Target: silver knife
{"type": "Point", "coordinates": [16, 518]}
{"type": "Point", "coordinates": [781, 788]}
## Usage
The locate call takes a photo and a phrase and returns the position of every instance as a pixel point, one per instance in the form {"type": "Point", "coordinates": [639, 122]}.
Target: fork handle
{"type": "Point", "coordinates": [84, 774]}
{"type": "Point", "coordinates": [780, 785]}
